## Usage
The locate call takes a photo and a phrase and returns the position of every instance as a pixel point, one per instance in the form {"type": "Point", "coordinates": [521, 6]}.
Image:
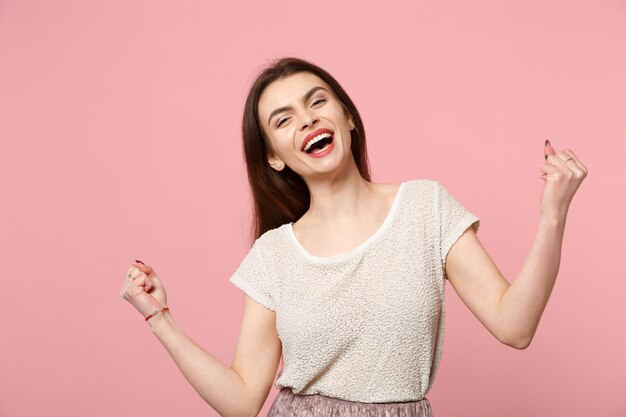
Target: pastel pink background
{"type": "Point", "coordinates": [120, 130]}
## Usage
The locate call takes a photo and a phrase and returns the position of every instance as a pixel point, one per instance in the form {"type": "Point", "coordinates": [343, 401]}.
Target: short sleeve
{"type": "Point", "coordinates": [452, 218]}
{"type": "Point", "coordinates": [252, 278]}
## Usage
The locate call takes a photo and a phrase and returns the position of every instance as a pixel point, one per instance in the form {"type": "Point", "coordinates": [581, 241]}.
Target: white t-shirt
{"type": "Point", "coordinates": [366, 325]}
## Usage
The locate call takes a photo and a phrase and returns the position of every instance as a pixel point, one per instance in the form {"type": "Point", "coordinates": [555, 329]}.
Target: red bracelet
{"type": "Point", "coordinates": [156, 312]}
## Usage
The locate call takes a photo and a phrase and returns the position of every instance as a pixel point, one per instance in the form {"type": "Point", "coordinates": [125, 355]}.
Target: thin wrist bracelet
{"type": "Point", "coordinates": [157, 312]}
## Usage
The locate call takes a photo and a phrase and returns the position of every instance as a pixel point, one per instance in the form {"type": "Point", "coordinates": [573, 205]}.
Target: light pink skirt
{"type": "Point", "coordinates": [288, 404]}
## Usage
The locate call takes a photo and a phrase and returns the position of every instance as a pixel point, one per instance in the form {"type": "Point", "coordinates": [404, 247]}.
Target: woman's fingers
{"type": "Point", "coordinates": [548, 149]}
{"type": "Point", "coordinates": [573, 155]}
{"type": "Point", "coordinates": [566, 164]}
{"type": "Point", "coordinates": [143, 289]}
{"type": "Point", "coordinates": [143, 281]}
{"type": "Point", "coordinates": [558, 160]}
{"type": "Point", "coordinates": [146, 269]}
{"type": "Point", "coordinates": [547, 169]}
{"type": "Point", "coordinates": [582, 169]}
{"type": "Point", "coordinates": [137, 278]}
{"type": "Point", "coordinates": [155, 282]}
{"type": "Point", "coordinates": [564, 158]}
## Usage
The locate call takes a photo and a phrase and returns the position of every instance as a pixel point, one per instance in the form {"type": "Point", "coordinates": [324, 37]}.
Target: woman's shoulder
{"type": "Point", "coordinates": [421, 181]}
{"type": "Point", "coordinates": [411, 182]}
{"type": "Point", "coordinates": [272, 237]}
{"type": "Point", "coordinates": [420, 193]}
{"type": "Point", "coordinates": [421, 185]}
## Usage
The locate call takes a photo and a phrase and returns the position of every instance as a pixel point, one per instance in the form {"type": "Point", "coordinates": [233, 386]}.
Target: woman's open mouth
{"type": "Point", "coordinates": [320, 145]}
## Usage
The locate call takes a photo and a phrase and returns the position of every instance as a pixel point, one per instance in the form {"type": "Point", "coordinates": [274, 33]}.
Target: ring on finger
{"type": "Point", "coordinates": [131, 277]}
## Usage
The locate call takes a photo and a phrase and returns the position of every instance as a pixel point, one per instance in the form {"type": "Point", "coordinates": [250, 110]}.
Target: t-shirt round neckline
{"type": "Point", "coordinates": [391, 215]}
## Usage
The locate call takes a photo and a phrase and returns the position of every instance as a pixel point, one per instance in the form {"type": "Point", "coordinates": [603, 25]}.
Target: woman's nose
{"type": "Point", "coordinates": [308, 119]}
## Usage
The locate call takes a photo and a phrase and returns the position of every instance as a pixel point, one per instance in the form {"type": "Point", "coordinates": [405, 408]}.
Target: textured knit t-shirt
{"type": "Point", "coordinates": [366, 325]}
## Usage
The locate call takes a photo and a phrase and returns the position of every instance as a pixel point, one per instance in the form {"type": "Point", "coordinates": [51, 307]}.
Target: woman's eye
{"type": "Point", "coordinates": [280, 121]}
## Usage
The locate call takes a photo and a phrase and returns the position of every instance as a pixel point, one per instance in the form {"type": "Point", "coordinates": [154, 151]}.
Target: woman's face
{"type": "Point", "coordinates": [294, 109]}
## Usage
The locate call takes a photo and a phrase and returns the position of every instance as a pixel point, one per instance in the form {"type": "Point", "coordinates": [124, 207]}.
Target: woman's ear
{"type": "Point", "coordinates": [275, 162]}
{"type": "Point", "coordinates": [351, 122]}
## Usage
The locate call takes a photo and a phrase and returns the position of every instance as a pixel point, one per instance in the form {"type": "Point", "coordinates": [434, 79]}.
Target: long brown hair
{"type": "Point", "coordinates": [282, 197]}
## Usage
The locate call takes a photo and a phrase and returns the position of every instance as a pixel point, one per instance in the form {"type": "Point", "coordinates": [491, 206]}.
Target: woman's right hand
{"type": "Point", "coordinates": [143, 289]}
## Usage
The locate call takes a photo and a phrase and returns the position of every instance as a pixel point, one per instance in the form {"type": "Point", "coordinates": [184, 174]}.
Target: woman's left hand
{"type": "Point", "coordinates": [563, 173]}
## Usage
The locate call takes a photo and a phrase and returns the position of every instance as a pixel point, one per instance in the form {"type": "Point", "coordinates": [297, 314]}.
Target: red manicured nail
{"type": "Point", "coordinates": [548, 142]}
{"type": "Point", "coordinates": [138, 261]}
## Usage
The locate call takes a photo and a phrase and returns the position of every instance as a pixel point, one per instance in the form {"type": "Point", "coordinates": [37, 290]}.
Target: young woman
{"type": "Point", "coordinates": [345, 277]}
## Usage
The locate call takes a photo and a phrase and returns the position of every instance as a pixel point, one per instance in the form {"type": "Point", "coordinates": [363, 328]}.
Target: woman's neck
{"type": "Point", "coordinates": [339, 199]}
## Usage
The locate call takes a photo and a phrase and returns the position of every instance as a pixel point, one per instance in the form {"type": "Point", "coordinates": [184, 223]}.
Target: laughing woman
{"type": "Point", "coordinates": [345, 278]}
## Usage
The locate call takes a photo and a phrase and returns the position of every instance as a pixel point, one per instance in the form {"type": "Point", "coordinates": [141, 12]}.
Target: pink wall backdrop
{"type": "Point", "coordinates": [120, 134]}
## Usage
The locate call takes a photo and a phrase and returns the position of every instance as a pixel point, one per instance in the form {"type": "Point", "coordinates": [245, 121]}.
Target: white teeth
{"type": "Point", "coordinates": [316, 139]}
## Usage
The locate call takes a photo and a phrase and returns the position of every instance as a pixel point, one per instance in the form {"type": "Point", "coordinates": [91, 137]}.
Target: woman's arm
{"type": "Point", "coordinates": [218, 384]}
{"type": "Point", "coordinates": [511, 312]}
{"type": "Point", "coordinates": [237, 391]}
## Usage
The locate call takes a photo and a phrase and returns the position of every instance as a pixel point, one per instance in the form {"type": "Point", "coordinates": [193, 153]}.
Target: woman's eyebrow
{"type": "Point", "coordinates": [304, 98]}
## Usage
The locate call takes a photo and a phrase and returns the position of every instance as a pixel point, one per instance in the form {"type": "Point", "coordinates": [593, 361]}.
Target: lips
{"type": "Point", "coordinates": [314, 134]}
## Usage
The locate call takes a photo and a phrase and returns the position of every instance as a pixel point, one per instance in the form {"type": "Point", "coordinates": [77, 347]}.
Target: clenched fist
{"type": "Point", "coordinates": [563, 172]}
{"type": "Point", "coordinates": [143, 289]}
